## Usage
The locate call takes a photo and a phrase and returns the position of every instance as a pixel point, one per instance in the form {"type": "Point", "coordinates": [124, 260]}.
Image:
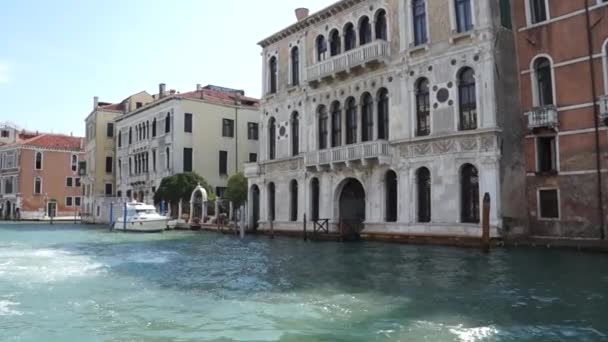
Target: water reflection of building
{"type": "Point", "coordinates": [39, 174]}
{"type": "Point", "coordinates": [394, 115]}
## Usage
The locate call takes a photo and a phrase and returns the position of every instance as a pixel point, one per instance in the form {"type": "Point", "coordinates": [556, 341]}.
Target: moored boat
{"type": "Point", "coordinates": [142, 218]}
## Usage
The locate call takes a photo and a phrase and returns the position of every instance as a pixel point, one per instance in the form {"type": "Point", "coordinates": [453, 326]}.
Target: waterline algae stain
{"type": "Point", "coordinates": [81, 283]}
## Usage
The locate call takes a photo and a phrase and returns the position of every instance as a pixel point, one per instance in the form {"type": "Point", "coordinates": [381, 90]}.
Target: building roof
{"type": "Point", "coordinates": [52, 141]}
{"type": "Point", "coordinates": [206, 95]}
{"type": "Point", "coordinates": [220, 97]}
{"type": "Point", "coordinates": [310, 20]}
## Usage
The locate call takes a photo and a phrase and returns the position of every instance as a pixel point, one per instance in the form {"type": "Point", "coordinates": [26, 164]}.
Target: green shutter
{"type": "Point", "coordinates": [505, 13]}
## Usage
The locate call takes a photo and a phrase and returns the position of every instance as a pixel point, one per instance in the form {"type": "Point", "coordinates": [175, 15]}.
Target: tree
{"type": "Point", "coordinates": [236, 192]}
{"type": "Point", "coordinates": [180, 186]}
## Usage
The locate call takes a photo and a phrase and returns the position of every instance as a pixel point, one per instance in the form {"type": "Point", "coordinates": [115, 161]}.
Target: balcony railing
{"type": "Point", "coordinates": [543, 117]}
{"type": "Point", "coordinates": [252, 170]}
{"type": "Point", "coordinates": [603, 100]}
{"type": "Point", "coordinates": [375, 51]}
{"type": "Point", "coordinates": [380, 150]}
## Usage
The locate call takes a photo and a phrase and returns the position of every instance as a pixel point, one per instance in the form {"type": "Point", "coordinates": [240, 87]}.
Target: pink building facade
{"type": "Point", "coordinates": [40, 176]}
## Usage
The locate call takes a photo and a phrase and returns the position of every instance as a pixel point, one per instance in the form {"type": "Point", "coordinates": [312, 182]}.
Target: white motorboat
{"type": "Point", "coordinates": [141, 218]}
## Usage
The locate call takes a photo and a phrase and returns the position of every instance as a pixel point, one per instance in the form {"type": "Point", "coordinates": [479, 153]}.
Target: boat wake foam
{"type": "Point", "coordinates": [44, 265]}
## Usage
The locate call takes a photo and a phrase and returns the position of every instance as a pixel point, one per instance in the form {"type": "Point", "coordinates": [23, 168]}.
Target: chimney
{"type": "Point", "coordinates": [198, 87]}
{"type": "Point", "coordinates": [95, 102]}
{"type": "Point", "coordinates": [161, 90]}
{"type": "Point", "coordinates": [172, 92]}
{"type": "Point", "coordinates": [302, 13]}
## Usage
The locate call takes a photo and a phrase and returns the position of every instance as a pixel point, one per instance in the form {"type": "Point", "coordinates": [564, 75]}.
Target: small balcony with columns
{"type": "Point", "coordinates": [375, 52]}
{"type": "Point", "coordinates": [543, 117]}
{"type": "Point", "coordinates": [363, 153]}
{"type": "Point", "coordinates": [352, 47]}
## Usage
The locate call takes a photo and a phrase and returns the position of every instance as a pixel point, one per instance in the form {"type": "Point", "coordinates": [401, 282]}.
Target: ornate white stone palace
{"type": "Point", "coordinates": [394, 116]}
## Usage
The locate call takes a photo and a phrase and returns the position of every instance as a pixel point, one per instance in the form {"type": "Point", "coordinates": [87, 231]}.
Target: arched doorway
{"type": "Point", "coordinates": [351, 208]}
{"type": "Point", "coordinates": [352, 202]}
{"type": "Point", "coordinates": [255, 203]}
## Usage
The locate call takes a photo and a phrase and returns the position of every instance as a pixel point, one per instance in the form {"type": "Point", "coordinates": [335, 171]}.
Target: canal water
{"type": "Point", "coordinates": [79, 283]}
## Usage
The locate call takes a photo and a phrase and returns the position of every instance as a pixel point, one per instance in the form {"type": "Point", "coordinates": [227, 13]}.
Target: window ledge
{"type": "Point", "coordinates": [548, 219]}
{"type": "Point", "coordinates": [460, 36]}
{"type": "Point", "coordinates": [294, 88]}
{"type": "Point", "coordinates": [418, 49]}
{"type": "Point", "coordinates": [551, 173]}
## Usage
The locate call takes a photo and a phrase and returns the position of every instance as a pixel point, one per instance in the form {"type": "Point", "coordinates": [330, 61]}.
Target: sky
{"type": "Point", "coordinates": [55, 56]}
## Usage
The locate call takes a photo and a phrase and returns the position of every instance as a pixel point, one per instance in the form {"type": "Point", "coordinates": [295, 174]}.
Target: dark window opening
{"type": "Point", "coordinates": [138, 105]}
{"type": "Point", "coordinates": [542, 68]}
{"type": "Point", "coordinates": [470, 194]}
{"type": "Point", "coordinates": [335, 43]}
{"type": "Point", "coordinates": [381, 25]}
{"type": "Point", "coordinates": [423, 178]}
{"type": "Point", "coordinates": [295, 66]}
{"type": "Point", "coordinates": [69, 201]}
{"type": "Point", "coordinates": [351, 121]}
{"type": "Point", "coordinates": [69, 182]}
{"type": "Point", "coordinates": [38, 160]}
{"type": "Point", "coordinates": [336, 125]}
{"type": "Point", "coordinates": [223, 163]}
{"type": "Point", "coordinates": [505, 14]}
{"type": "Point", "coordinates": [464, 20]}
{"type": "Point", "coordinates": [272, 69]}
{"type": "Point", "coordinates": [110, 130]}
{"type": "Point", "coordinates": [546, 155]}
{"type": "Point", "coordinates": [314, 216]}
{"type": "Point", "coordinates": [109, 164]}
{"type": "Point", "coordinates": [367, 118]}
{"type": "Point", "coordinates": [419, 20]}
{"type": "Point", "coordinates": [365, 31]}
{"type": "Point", "coordinates": [423, 108]}
{"type": "Point", "coordinates": [549, 204]}
{"type": "Point", "coordinates": [271, 202]}
{"type": "Point", "coordinates": [252, 131]}
{"type": "Point", "coordinates": [293, 212]}
{"type": "Point", "coordinates": [228, 128]}
{"type": "Point", "coordinates": [321, 48]}
{"type": "Point", "coordinates": [538, 10]}
{"type": "Point", "coordinates": [168, 123]}
{"type": "Point", "coordinates": [383, 118]}
{"type": "Point", "coordinates": [272, 139]}
{"type": "Point", "coordinates": [253, 157]}
{"type": "Point", "coordinates": [350, 37]}
{"type": "Point", "coordinates": [187, 159]}
{"type": "Point", "coordinates": [391, 196]}
{"type": "Point", "coordinates": [154, 128]}
{"type": "Point", "coordinates": [295, 134]}
{"type": "Point", "coordinates": [188, 123]}
{"type": "Point", "coordinates": [109, 190]}
{"type": "Point", "coordinates": [468, 100]}
{"type": "Point", "coordinates": [38, 186]}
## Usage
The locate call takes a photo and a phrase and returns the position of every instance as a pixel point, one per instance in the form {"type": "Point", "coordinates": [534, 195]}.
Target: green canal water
{"type": "Point", "coordinates": [79, 283]}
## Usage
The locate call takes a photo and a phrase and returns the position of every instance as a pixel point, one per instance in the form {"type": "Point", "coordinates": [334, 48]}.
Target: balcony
{"type": "Point", "coordinates": [543, 117]}
{"type": "Point", "coordinates": [376, 150]}
{"type": "Point", "coordinates": [376, 51]}
{"type": "Point", "coordinates": [603, 101]}
{"type": "Point", "coordinates": [252, 170]}
{"type": "Point", "coordinates": [140, 179]}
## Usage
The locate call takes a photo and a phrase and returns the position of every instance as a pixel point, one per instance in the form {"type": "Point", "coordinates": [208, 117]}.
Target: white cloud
{"type": "Point", "coordinates": [4, 73]}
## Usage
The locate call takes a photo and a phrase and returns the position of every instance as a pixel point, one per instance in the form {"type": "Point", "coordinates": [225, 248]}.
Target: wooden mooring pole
{"type": "Point", "coordinates": [485, 223]}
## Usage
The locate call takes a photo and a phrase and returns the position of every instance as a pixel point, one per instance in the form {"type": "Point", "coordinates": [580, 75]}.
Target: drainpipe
{"type": "Point", "coordinates": [600, 196]}
{"type": "Point", "coordinates": [237, 103]}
